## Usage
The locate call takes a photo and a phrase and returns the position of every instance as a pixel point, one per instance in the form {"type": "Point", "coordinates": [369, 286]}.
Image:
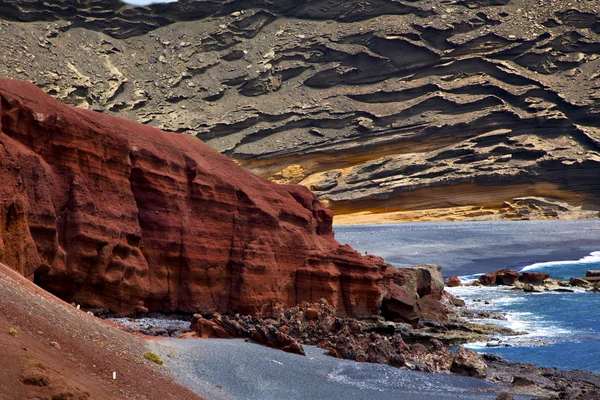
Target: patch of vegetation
{"type": "Point", "coordinates": [13, 332]}
{"type": "Point", "coordinates": [153, 357]}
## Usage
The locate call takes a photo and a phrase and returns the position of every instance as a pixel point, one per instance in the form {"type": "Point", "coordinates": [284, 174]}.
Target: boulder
{"type": "Point", "coordinates": [592, 276]}
{"type": "Point", "coordinates": [457, 302]}
{"type": "Point", "coordinates": [223, 327]}
{"type": "Point", "coordinates": [468, 362]}
{"type": "Point", "coordinates": [429, 280]}
{"type": "Point", "coordinates": [574, 281]}
{"type": "Point", "coordinates": [400, 304]}
{"type": "Point", "coordinates": [529, 288]}
{"type": "Point", "coordinates": [204, 328]}
{"type": "Point", "coordinates": [311, 313]}
{"type": "Point", "coordinates": [506, 277]}
{"type": "Point", "coordinates": [534, 278]}
{"type": "Point", "coordinates": [453, 281]}
{"type": "Point", "coordinates": [116, 215]}
{"type": "Point", "coordinates": [272, 337]}
{"type": "Point", "coordinates": [414, 293]}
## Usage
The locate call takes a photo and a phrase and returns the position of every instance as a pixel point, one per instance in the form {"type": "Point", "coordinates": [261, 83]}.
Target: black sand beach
{"type": "Point", "coordinates": [234, 369]}
{"type": "Point", "coordinates": [464, 248]}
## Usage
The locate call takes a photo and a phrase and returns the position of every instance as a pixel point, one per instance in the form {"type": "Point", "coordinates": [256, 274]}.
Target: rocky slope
{"type": "Point", "coordinates": [387, 109]}
{"type": "Point", "coordinates": [116, 215]}
{"type": "Point", "coordinates": [54, 351]}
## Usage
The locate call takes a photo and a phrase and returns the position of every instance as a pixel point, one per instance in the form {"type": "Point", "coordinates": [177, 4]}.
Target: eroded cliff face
{"type": "Point", "coordinates": [386, 109]}
{"type": "Point", "coordinates": [113, 214]}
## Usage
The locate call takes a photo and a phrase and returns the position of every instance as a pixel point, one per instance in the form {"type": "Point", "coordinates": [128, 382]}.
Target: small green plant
{"type": "Point", "coordinates": [13, 332]}
{"type": "Point", "coordinates": [153, 357]}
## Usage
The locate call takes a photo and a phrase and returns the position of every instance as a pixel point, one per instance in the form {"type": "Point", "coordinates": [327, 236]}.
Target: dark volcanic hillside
{"type": "Point", "coordinates": [408, 109]}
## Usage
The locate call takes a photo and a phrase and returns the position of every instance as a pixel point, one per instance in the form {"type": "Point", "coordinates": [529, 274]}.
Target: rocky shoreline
{"type": "Point", "coordinates": [427, 346]}
{"type": "Point", "coordinates": [533, 281]}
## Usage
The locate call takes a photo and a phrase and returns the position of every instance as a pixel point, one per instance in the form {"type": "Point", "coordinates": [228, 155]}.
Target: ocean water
{"type": "Point", "coordinates": [563, 329]}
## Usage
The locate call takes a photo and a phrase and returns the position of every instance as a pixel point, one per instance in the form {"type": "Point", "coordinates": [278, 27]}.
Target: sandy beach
{"type": "Point", "coordinates": [463, 248]}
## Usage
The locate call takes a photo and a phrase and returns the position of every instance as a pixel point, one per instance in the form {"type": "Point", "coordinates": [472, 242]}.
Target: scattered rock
{"type": "Point", "coordinates": [453, 281]}
{"type": "Point", "coordinates": [579, 282]}
{"type": "Point", "coordinates": [505, 277]}
{"type": "Point", "coordinates": [468, 362]}
{"type": "Point", "coordinates": [534, 278]}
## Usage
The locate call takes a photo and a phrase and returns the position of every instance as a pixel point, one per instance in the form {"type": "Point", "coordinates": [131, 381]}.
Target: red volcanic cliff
{"type": "Point", "coordinates": [110, 213]}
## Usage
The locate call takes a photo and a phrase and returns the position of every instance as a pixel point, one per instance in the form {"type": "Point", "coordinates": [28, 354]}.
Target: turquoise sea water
{"type": "Point", "coordinates": [563, 328]}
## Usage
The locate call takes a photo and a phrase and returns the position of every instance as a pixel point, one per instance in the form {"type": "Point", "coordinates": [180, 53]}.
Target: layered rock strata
{"type": "Point", "coordinates": [112, 214]}
{"type": "Point", "coordinates": [387, 110]}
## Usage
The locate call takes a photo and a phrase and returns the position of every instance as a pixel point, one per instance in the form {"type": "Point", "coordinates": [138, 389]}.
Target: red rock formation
{"type": "Point", "coordinates": [113, 214]}
{"type": "Point", "coordinates": [506, 277]}
{"type": "Point", "coordinates": [453, 281]}
{"type": "Point", "coordinates": [534, 278]}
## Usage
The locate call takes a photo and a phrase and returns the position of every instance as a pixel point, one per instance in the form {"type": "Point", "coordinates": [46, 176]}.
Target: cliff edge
{"type": "Point", "coordinates": [116, 215]}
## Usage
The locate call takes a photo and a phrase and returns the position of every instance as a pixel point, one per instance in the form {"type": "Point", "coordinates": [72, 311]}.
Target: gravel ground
{"type": "Point", "coordinates": [234, 369]}
{"type": "Point", "coordinates": [463, 248]}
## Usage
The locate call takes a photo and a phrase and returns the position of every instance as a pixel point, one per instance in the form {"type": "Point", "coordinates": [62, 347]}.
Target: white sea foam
{"type": "Point", "coordinates": [538, 330]}
{"type": "Point", "coordinates": [467, 279]}
{"type": "Point", "coordinates": [593, 258]}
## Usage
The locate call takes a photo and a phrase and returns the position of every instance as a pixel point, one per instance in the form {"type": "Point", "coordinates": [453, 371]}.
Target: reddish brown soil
{"type": "Point", "coordinates": [80, 363]}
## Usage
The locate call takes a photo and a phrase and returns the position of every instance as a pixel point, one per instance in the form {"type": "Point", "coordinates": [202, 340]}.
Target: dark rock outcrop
{"type": "Point", "coordinates": [225, 327]}
{"type": "Point", "coordinates": [424, 348]}
{"type": "Point", "coordinates": [112, 214]}
{"type": "Point", "coordinates": [407, 110]}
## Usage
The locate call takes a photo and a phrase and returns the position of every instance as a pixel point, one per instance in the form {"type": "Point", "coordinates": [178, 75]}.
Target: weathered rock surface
{"type": "Point", "coordinates": [259, 331]}
{"type": "Point", "coordinates": [423, 348]}
{"type": "Point", "coordinates": [537, 281]}
{"type": "Point", "coordinates": [453, 281]}
{"type": "Point", "coordinates": [506, 277]}
{"type": "Point", "coordinates": [112, 214]}
{"type": "Point", "coordinates": [543, 383]}
{"type": "Point", "coordinates": [468, 362]}
{"type": "Point", "coordinates": [388, 110]}
{"type": "Point", "coordinates": [534, 278]}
